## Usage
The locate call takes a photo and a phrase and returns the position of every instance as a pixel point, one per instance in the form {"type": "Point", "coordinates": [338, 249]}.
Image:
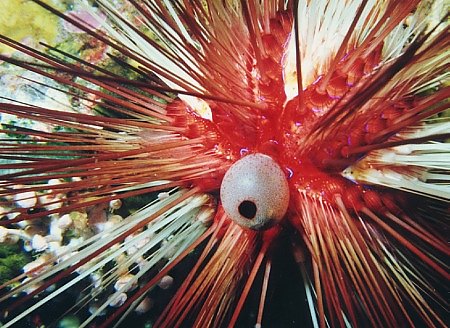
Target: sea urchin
{"type": "Point", "coordinates": [325, 119]}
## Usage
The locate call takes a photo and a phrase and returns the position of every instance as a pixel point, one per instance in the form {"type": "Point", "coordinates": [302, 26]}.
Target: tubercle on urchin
{"type": "Point", "coordinates": [323, 198]}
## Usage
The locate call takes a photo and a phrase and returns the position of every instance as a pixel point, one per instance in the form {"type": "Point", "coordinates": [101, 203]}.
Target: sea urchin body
{"type": "Point", "coordinates": [219, 136]}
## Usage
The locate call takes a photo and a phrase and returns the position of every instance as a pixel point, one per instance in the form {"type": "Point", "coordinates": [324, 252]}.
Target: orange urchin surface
{"type": "Point", "coordinates": [230, 163]}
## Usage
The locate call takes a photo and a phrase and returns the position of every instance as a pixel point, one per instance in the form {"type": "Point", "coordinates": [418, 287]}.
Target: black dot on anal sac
{"type": "Point", "coordinates": [247, 209]}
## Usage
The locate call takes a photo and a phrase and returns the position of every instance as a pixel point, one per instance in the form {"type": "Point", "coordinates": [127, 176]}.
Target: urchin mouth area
{"type": "Point", "coordinates": [255, 192]}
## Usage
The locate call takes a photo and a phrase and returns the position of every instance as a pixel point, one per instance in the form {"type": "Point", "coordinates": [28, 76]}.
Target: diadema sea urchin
{"type": "Point", "coordinates": [327, 120]}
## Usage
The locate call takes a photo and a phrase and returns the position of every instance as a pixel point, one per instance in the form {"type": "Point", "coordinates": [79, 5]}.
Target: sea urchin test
{"type": "Point", "coordinates": [255, 192]}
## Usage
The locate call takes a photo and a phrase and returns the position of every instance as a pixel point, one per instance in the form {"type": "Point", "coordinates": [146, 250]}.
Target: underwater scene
{"type": "Point", "coordinates": [224, 163]}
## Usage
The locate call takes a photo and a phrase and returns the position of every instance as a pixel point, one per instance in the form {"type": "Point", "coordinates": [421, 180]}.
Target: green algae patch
{"type": "Point", "coordinates": [12, 260]}
{"type": "Point", "coordinates": [24, 20]}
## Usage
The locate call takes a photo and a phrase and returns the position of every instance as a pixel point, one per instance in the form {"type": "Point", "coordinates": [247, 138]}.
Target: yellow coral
{"type": "Point", "coordinates": [22, 19]}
